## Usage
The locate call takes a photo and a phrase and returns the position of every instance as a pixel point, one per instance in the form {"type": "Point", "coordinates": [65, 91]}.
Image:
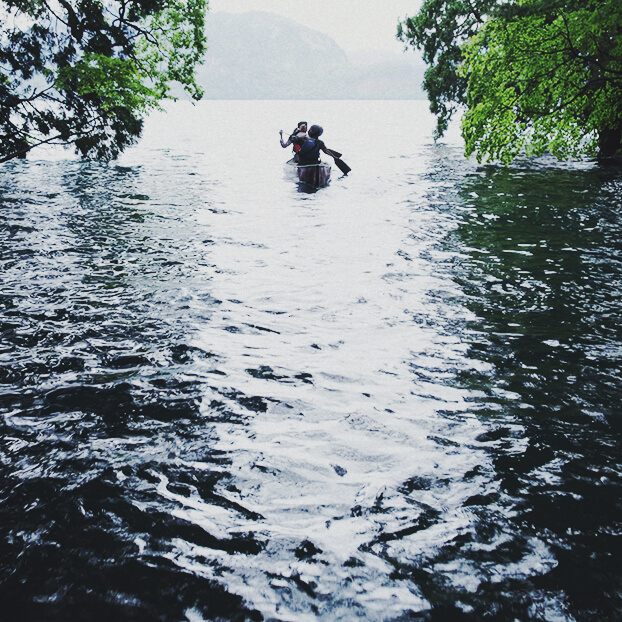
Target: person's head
{"type": "Point", "coordinates": [315, 131]}
{"type": "Point", "coordinates": [302, 126]}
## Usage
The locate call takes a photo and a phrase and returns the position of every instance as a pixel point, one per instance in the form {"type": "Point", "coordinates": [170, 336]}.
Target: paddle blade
{"type": "Point", "coordinates": [342, 166]}
{"type": "Point", "coordinates": [339, 163]}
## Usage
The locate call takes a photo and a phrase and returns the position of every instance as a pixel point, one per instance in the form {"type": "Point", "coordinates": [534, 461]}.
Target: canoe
{"type": "Point", "coordinates": [316, 175]}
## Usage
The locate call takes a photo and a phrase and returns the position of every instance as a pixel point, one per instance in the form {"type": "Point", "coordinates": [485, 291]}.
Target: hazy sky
{"type": "Point", "coordinates": [353, 24]}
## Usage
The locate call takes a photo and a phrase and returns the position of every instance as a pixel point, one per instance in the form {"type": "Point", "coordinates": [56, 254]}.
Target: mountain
{"type": "Point", "coordinates": [259, 55]}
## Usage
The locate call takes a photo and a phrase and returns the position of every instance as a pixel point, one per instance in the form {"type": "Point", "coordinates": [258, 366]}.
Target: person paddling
{"type": "Point", "coordinates": [310, 146]}
{"type": "Point", "coordinates": [299, 132]}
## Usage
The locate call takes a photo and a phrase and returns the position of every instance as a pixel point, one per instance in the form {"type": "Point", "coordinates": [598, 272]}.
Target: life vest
{"type": "Point", "coordinates": [297, 148]}
{"type": "Point", "coordinates": [310, 151]}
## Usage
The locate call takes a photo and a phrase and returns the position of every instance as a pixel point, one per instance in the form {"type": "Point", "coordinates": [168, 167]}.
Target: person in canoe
{"type": "Point", "coordinates": [310, 146]}
{"type": "Point", "coordinates": [299, 132]}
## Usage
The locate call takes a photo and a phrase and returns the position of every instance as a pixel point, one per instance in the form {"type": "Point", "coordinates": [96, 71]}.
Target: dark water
{"type": "Point", "coordinates": [394, 399]}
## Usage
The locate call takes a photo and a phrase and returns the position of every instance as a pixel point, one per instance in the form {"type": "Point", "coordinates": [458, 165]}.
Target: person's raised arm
{"type": "Point", "coordinates": [288, 143]}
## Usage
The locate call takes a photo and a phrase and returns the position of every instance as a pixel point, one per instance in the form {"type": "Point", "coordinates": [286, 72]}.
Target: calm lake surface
{"type": "Point", "coordinates": [225, 397]}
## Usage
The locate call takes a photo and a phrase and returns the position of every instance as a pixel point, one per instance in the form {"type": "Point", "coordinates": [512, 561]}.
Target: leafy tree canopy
{"type": "Point", "coordinates": [84, 72]}
{"type": "Point", "coordinates": [535, 76]}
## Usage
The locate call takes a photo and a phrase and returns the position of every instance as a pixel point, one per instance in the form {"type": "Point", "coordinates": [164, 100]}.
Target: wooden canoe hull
{"type": "Point", "coordinates": [316, 175]}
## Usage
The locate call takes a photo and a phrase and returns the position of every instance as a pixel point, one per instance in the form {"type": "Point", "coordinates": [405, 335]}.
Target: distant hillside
{"type": "Point", "coordinates": [260, 55]}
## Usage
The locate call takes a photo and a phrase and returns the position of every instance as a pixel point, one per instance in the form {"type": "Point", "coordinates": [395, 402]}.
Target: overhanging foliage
{"type": "Point", "coordinates": [535, 76]}
{"type": "Point", "coordinates": [84, 72]}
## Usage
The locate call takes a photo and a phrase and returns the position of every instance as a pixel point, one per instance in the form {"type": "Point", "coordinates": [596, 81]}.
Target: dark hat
{"type": "Point", "coordinates": [315, 131]}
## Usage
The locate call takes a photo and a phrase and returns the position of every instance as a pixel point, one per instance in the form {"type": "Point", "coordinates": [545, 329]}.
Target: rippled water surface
{"type": "Point", "coordinates": [227, 397]}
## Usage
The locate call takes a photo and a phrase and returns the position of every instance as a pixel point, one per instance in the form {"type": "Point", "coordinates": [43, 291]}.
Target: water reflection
{"type": "Point", "coordinates": [101, 401]}
{"type": "Point", "coordinates": [544, 274]}
{"type": "Point", "coordinates": [391, 399]}
{"type": "Point", "coordinates": [543, 277]}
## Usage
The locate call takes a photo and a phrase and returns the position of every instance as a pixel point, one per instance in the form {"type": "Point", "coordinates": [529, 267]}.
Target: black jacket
{"type": "Point", "coordinates": [310, 149]}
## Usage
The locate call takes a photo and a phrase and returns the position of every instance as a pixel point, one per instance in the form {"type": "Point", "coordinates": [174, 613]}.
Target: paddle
{"type": "Point", "coordinates": [339, 163]}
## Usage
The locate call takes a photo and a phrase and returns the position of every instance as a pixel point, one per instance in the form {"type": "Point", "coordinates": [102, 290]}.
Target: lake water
{"type": "Point", "coordinates": [227, 397]}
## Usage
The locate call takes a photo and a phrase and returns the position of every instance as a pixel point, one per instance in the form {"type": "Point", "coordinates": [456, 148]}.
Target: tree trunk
{"type": "Point", "coordinates": [609, 141]}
